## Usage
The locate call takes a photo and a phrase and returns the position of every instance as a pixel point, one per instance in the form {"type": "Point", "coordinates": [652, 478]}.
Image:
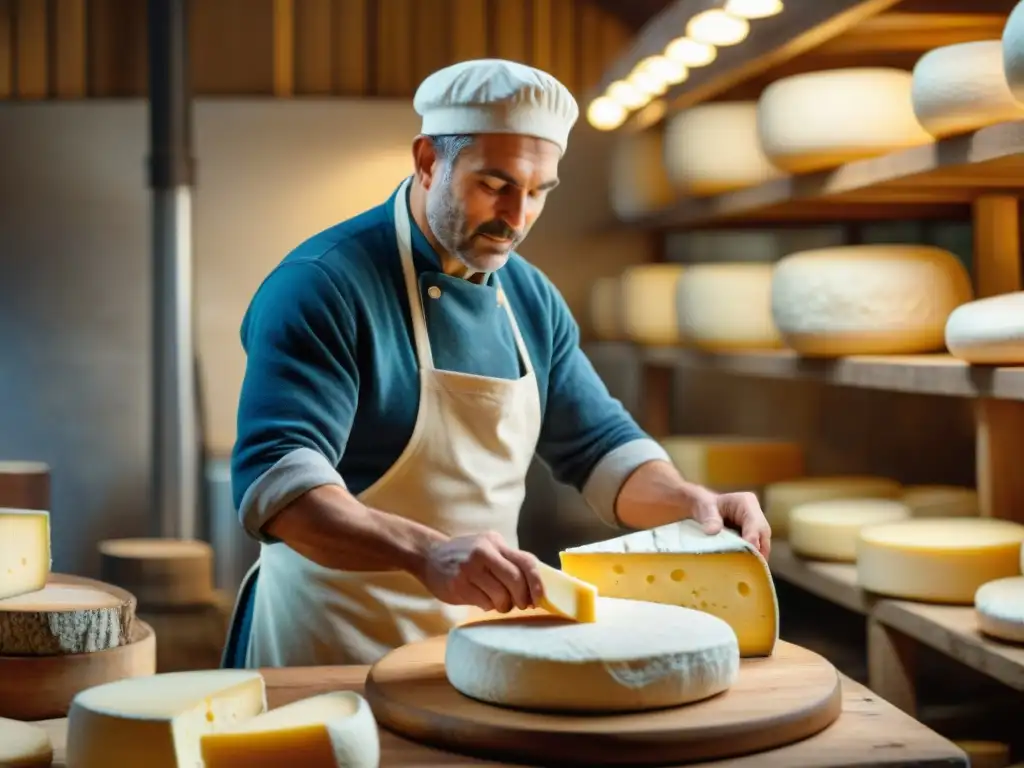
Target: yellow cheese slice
{"type": "Point", "coordinates": [24, 551]}
{"type": "Point", "coordinates": [332, 730]}
{"type": "Point", "coordinates": [780, 498]}
{"type": "Point", "coordinates": [678, 564]}
{"type": "Point", "coordinates": [23, 745]}
{"type": "Point", "coordinates": [938, 560]}
{"type": "Point", "coordinates": [567, 596]}
{"type": "Point", "coordinates": [729, 463]}
{"type": "Point", "coordinates": [157, 721]}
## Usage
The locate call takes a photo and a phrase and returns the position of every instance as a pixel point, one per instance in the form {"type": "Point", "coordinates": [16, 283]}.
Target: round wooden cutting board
{"type": "Point", "coordinates": [777, 700]}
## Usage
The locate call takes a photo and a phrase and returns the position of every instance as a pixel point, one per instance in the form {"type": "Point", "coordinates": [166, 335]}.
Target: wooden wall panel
{"type": "Point", "coordinates": [69, 49]}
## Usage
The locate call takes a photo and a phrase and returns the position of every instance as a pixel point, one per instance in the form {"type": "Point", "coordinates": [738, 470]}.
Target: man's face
{"type": "Point", "coordinates": [482, 206]}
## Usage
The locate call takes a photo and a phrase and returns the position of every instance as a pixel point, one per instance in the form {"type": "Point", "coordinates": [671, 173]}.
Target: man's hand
{"type": "Point", "coordinates": [482, 570]}
{"type": "Point", "coordinates": [737, 510]}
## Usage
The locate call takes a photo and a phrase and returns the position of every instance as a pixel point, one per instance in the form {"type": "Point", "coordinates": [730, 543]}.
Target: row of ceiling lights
{"type": "Point", "coordinates": [652, 77]}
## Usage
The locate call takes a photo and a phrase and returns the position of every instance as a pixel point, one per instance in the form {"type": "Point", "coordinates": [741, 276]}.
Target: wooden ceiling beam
{"type": "Point", "coordinates": [898, 31]}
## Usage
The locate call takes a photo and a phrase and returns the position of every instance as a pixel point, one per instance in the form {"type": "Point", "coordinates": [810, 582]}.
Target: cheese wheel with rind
{"type": "Point", "coordinates": [649, 304]}
{"type": "Point", "coordinates": [733, 463]}
{"type": "Point", "coordinates": [157, 721]}
{"type": "Point", "coordinates": [727, 307]}
{"type": "Point", "coordinates": [605, 308]}
{"type": "Point", "coordinates": [938, 561]}
{"type": "Point", "coordinates": [1013, 51]}
{"type": "Point", "coordinates": [988, 331]}
{"type": "Point", "coordinates": [828, 530]}
{"type": "Point", "coordinates": [332, 730]}
{"type": "Point", "coordinates": [818, 120]}
{"type": "Point", "coordinates": [999, 607]}
{"type": "Point", "coordinates": [960, 88]}
{"type": "Point", "coordinates": [867, 299]}
{"type": "Point", "coordinates": [941, 501]}
{"type": "Point", "coordinates": [24, 745]}
{"type": "Point", "coordinates": [546, 663]}
{"type": "Point", "coordinates": [25, 558]}
{"type": "Point", "coordinates": [638, 183]}
{"type": "Point", "coordinates": [782, 497]}
{"type": "Point", "coordinates": [714, 148]}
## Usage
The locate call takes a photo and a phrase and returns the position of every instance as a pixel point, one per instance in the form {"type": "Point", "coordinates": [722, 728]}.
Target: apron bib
{"type": "Point", "coordinates": [462, 472]}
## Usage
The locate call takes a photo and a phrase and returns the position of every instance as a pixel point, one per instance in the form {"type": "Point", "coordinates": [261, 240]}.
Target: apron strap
{"type": "Point", "coordinates": [520, 344]}
{"type": "Point", "coordinates": [403, 232]}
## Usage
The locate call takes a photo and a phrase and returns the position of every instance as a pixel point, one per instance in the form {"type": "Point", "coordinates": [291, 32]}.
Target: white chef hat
{"type": "Point", "coordinates": [496, 96]}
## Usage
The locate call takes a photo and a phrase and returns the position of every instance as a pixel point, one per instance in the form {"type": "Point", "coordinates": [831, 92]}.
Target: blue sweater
{"type": "Point", "coordinates": [331, 387]}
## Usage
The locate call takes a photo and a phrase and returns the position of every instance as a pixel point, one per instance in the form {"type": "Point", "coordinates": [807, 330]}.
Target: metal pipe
{"type": "Point", "coordinates": [171, 169]}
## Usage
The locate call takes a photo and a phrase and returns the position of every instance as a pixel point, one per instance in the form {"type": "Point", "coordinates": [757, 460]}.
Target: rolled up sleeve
{"type": "Point", "coordinates": [299, 392]}
{"type": "Point", "coordinates": [588, 437]}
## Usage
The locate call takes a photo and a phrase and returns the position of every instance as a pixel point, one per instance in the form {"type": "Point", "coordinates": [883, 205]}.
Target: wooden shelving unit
{"type": "Point", "coordinates": [978, 177]}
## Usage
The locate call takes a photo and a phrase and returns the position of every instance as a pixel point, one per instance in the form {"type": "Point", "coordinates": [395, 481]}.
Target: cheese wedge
{"type": "Point", "coordinates": [567, 596]}
{"type": "Point", "coordinates": [24, 745]}
{"type": "Point", "coordinates": [679, 564]}
{"type": "Point", "coordinates": [333, 730]}
{"type": "Point", "coordinates": [157, 721]}
{"type": "Point", "coordinates": [24, 551]}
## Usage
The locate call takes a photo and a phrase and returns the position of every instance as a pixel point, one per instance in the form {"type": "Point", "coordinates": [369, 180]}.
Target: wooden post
{"type": "Point", "coordinates": [1000, 423]}
{"type": "Point", "coordinates": [891, 666]}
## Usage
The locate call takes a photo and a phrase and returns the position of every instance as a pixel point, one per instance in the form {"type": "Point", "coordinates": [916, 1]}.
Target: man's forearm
{"type": "Point", "coordinates": [329, 526]}
{"type": "Point", "coordinates": [656, 494]}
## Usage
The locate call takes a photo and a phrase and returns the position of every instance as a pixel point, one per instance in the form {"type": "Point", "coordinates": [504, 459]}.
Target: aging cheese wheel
{"type": "Point", "coordinates": [731, 463]}
{"type": "Point", "coordinates": [727, 307]}
{"type": "Point", "coordinates": [605, 308]}
{"type": "Point", "coordinates": [988, 331]}
{"type": "Point", "coordinates": [637, 656]}
{"type": "Point", "coordinates": [23, 745]}
{"type": "Point", "coordinates": [999, 606]}
{"type": "Point", "coordinates": [714, 148]}
{"type": "Point", "coordinates": [332, 730]}
{"type": "Point", "coordinates": [941, 561]}
{"type": "Point", "coordinates": [157, 721]}
{"type": "Point", "coordinates": [1013, 51]}
{"type": "Point", "coordinates": [649, 303]}
{"type": "Point", "coordinates": [638, 183]}
{"type": "Point", "coordinates": [962, 87]}
{"type": "Point", "coordinates": [679, 564]}
{"type": "Point", "coordinates": [160, 572]}
{"type": "Point", "coordinates": [941, 501]}
{"type": "Point", "coordinates": [867, 299]}
{"type": "Point", "coordinates": [819, 120]}
{"type": "Point", "coordinates": [780, 498]}
{"type": "Point", "coordinates": [65, 618]}
{"type": "Point", "coordinates": [828, 530]}
{"type": "Point", "coordinates": [24, 551]}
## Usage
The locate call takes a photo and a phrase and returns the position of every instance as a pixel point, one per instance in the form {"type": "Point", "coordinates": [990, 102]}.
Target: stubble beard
{"type": "Point", "coordinates": [447, 220]}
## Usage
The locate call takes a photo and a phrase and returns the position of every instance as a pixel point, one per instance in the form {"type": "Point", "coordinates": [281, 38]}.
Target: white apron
{"type": "Point", "coordinates": [462, 472]}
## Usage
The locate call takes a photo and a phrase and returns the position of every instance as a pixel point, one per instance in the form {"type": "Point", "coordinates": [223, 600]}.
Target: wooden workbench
{"type": "Point", "coordinates": [870, 731]}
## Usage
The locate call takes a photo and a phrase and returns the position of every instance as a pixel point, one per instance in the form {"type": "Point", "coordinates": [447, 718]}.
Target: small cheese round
{"type": "Point", "coordinates": [638, 183]}
{"type": "Point", "coordinates": [714, 148]}
{"type": "Point", "coordinates": [988, 331]}
{"type": "Point", "coordinates": [725, 307]}
{"type": "Point", "coordinates": [605, 308]}
{"type": "Point", "coordinates": [24, 745]}
{"type": "Point", "coordinates": [962, 87]}
{"type": "Point", "coordinates": [781, 498]}
{"type": "Point", "coordinates": [867, 299]}
{"type": "Point", "coordinates": [649, 303]}
{"type": "Point", "coordinates": [941, 561]}
{"type": "Point", "coordinates": [941, 501]}
{"type": "Point", "coordinates": [637, 656]}
{"type": "Point", "coordinates": [1013, 51]}
{"type": "Point", "coordinates": [819, 120]}
{"type": "Point", "coordinates": [999, 606]}
{"type": "Point", "coordinates": [828, 530]}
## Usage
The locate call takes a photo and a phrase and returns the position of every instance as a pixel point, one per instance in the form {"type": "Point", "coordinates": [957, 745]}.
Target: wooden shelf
{"type": "Point", "coordinates": [920, 374]}
{"type": "Point", "coordinates": [936, 179]}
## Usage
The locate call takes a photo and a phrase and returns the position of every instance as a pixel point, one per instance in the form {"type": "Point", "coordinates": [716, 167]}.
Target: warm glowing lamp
{"type": "Point", "coordinates": [753, 9]}
{"type": "Point", "coordinates": [663, 69]}
{"type": "Point", "coordinates": [690, 53]}
{"type": "Point", "coordinates": [646, 83]}
{"type": "Point", "coordinates": [627, 94]}
{"type": "Point", "coordinates": [716, 27]}
{"type": "Point", "coordinates": [606, 114]}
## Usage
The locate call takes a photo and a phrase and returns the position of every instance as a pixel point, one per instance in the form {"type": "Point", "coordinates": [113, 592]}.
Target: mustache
{"type": "Point", "coordinates": [497, 228]}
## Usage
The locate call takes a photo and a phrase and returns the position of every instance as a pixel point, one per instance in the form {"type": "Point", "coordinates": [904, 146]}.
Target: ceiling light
{"type": "Point", "coordinates": [690, 53]}
{"type": "Point", "coordinates": [626, 94]}
{"type": "Point", "coordinates": [753, 9]}
{"type": "Point", "coordinates": [716, 27]}
{"type": "Point", "coordinates": [606, 114]}
{"type": "Point", "coordinates": [646, 83]}
{"type": "Point", "coordinates": [663, 69]}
